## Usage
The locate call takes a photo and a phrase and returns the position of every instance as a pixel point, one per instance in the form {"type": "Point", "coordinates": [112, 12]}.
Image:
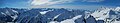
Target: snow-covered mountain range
{"type": "Point", "coordinates": [61, 15]}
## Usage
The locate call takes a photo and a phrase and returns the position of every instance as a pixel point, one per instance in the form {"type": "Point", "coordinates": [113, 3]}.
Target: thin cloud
{"type": "Point", "coordinates": [48, 3]}
{"type": "Point", "coordinates": [51, 2]}
{"type": "Point", "coordinates": [92, 0]}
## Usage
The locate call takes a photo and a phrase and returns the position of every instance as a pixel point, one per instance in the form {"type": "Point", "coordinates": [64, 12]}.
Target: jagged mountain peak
{"type": "Point", "coordinates": [104, 13]}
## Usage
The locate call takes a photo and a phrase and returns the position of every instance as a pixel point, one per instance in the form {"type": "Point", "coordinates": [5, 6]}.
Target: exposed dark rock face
{"type": "Point", "coordinates": [100, 21]}
{"type": "Point", "coordinates": [90, 19]}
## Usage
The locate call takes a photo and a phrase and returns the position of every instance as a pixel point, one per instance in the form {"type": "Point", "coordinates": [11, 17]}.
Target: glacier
{"type": "Point", "coordinates": [61, 15]}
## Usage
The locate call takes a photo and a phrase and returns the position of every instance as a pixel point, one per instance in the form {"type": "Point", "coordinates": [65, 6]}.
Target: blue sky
{"type": "Point", "coordinates": [76, 4]}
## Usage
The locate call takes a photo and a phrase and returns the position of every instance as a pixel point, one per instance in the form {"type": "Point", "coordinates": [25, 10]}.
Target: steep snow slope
{"type": "Point", "coordinates": [101, 14]}
{"type": "Point", "coordinates": [68, 20]}
{"type": "Point", "coordinates": [109, 15]}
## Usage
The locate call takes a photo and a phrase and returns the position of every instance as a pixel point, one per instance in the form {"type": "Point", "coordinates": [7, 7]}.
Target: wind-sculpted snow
{"type": "Point", "coordinates": [53, 15]}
